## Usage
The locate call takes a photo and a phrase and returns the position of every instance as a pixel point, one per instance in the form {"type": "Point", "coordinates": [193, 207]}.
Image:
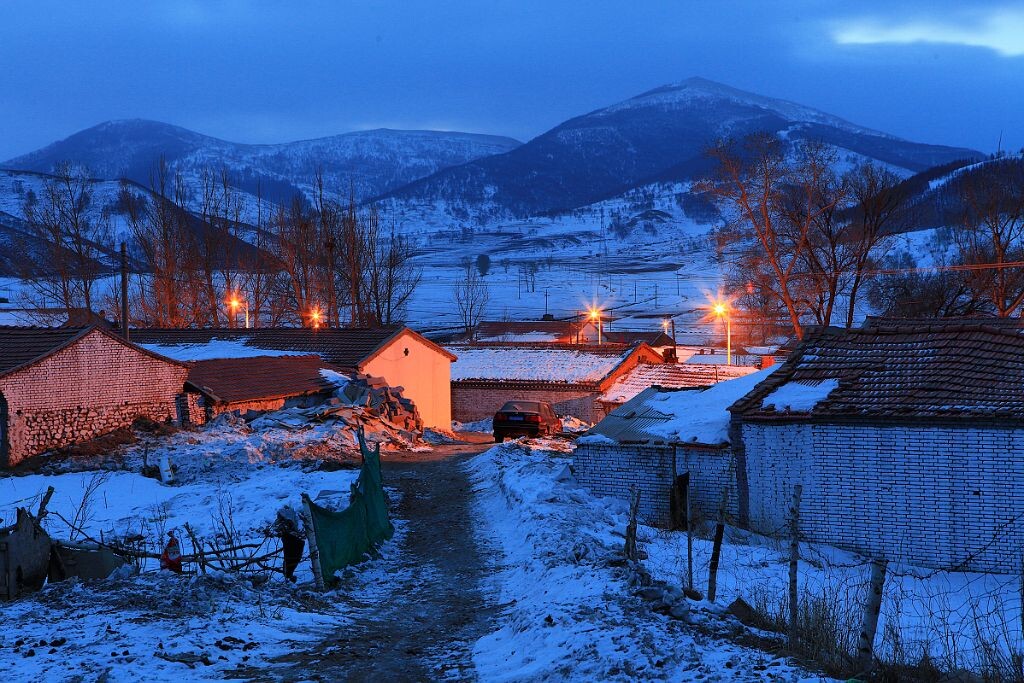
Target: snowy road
{"type": "Point", "coordinates": [424, 624]}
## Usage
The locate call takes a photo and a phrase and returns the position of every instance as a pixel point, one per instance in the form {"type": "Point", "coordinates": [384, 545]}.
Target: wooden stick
{"type": "Point", "coordinates": [872, 608]}
{"type": "Point", "coordinates": [314, 551]}
{"type": "Point", "coordinates": [689, 533]}
{"type": "Point", "coordinates": [794, 564]}
{"type": "Point", "coordinates": [716, 553]}
{"type": "Point", "coordinates": [43, 503]}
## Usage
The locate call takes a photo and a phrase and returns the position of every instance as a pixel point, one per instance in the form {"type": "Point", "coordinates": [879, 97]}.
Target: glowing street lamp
{"type": "Point", "coordinates": [721, 310]}
{"type": "Point", "coordinates": [595, 314]}
{"type": "Point", "coordinates": [235, 303]}
{"type": "Point", "coordinates": [314, 316]}
{"type": "Point", "coordinates": [665, 326]}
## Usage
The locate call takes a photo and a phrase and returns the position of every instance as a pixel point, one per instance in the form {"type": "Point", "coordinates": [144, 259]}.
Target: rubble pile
{"type": "Point", "coordinates": [360, 402]}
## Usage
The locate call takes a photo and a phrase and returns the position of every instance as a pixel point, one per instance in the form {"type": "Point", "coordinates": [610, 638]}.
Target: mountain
{"type": "Point", "coordinates": [659, 136]}
{"type": "Point", "coordinates": [371, 162]}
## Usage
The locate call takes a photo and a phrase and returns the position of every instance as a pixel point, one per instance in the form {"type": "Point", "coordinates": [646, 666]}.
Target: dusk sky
{"type": "Point", "coordinates": [942, 72]}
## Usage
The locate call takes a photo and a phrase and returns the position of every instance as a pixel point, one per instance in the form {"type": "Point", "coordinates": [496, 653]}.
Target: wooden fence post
{"type": "Point", "coordinates": [872, 608]}
{"type": "Point", "coordinates": [794, 564]}
{"type": "Point", "coordinates": [634, 507]}
{"type": "Point", "coordinates": [314, 551]}
{"type": "Point", "coordinates": [689, 535]}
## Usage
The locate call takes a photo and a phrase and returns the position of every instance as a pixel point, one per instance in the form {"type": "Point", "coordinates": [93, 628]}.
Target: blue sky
{"type": "Point", "coordinates": [944, 72]}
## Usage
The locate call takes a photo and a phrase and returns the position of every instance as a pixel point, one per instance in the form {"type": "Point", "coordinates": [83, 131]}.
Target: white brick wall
{"type": "Point", "coordinates": [930, 496]}
{"type": "Point", "coordinates": [610, 470]}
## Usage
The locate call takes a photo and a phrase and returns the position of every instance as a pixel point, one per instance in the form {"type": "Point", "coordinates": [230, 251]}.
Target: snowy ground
{"type": "Point", "coordinates": [231, 480]}
{"type": "Point", "coordinates": [961, 620]}
{"type": "Point", "coordinates": [568, 613]}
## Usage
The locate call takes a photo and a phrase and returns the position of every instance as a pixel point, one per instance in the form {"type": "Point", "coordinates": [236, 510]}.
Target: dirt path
{"type": "Point", "coordinates": [435, 609]}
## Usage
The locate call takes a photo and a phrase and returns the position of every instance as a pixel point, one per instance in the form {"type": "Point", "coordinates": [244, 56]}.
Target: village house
{"type": "Point", "coordinates": [402, 357]}
{"type": "Point", "coordinates": [60, 386]}
{"type": "Point", "coordinates": [571, 378]}
{"type": "Point", "coordinates": [659, 434]}
{"type": "Point", "coordinates": [243, 386]}
{"type": "Point", "coordinates": [908, 442]}
{"type": "Point", "coordinates": [667, 376]}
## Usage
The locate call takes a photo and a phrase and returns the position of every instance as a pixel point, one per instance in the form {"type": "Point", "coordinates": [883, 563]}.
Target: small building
{"type": "Point", "coordinates": [60, 386]}
{"type": "Point", "coordinates": [570, 378]}
{"type": "Point", "coordinates": [908, 442]}
{"type": "Point", "coordinates": [256, 384]}
{"type": "Point", "coordinates": [401, 356]}
{"type": "Point", "coordinates": [658, 435]}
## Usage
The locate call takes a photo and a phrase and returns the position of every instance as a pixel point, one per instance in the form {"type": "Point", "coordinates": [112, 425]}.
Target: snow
{"type": "Point", "coordinates": [161, 626]}
{"type": "Point", "coordinates": [218, 348]}
{"type": "Point", "coordinates": [511, 363]}
{"type": "Point", "coordinates": [485, 425]}
{"type": "Point", "coordinates": [950, 615]}
{"type": "Point", "coordinates": [523, 337]}
{"type": "Point", "coordinates": [702, 416]}
{"type": "Point", "coordinates": [799, 397]}
{"type": "Point", "coordinates": [568, 613]}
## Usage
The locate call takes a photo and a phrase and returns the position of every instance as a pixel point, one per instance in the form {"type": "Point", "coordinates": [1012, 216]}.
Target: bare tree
{"type": "Point", "coordinates": [471, 296]}
{"type": "Point", "coordinates": [64, 220]}
{"type": "Point", "coordinates": [774, 203]}
{"type": "Point", "coordinates": [991, 234]}
{"type": "Point", "coordinates": [390, 278]}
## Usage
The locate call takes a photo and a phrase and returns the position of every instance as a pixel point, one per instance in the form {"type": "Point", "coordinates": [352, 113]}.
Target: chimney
{"type": "Point", "coordinates": [548, 317]}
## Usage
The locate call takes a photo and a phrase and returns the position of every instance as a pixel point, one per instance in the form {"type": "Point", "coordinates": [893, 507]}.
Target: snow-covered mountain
{"type": "Point", "coordinates": [658, 136]}
{"type": "Point", "coordinates": [369, 162]}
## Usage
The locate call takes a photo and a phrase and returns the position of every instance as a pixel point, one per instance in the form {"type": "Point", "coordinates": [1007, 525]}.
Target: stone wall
{"type": "Point", "coordinates": [93, 387]}
{"type": "Point", "coordinates": [613, 469]}
{"type": "Point", "coordinates": [473, 400]}
{"type": "Point", "coordinates": [937, 497]}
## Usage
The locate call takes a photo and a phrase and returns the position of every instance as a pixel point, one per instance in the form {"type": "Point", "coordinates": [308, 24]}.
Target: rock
{"type": "Point", "coordinates": [679, 610]}
{"type": "Point", "coordinates": [742, 610]}
{"type": "Point", "coordinates": [650, 593]}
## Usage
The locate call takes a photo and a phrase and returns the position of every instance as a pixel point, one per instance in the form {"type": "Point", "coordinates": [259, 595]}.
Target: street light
{"type": "Point", "coordinates": [314, 316]}
{"type": "Point", "coordinates": [665, 324]}
{"type": "Point", "coordinates": [595, 314]}
{"type": "Point", "coordinates": [235, 303]}
{"type": "Point", "coordinates": [721, 310]}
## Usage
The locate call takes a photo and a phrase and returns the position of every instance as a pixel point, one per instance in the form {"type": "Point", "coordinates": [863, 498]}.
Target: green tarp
{"type": "Point", "coordinates": [347, 537]}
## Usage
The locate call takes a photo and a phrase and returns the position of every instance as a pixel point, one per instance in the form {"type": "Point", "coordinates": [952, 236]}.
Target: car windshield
{"type": "Point", "coordinates": [521, 407]}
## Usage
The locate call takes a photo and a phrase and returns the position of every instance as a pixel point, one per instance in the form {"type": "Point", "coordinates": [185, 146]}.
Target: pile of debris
{"type": "Point", "coordinates": [362, 403]}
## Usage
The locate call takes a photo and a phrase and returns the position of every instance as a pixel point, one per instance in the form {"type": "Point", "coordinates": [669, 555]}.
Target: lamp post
{"type": "Point", "coordinates": [314, 317]}
{"type": "Point", "coordinates": [235, 303]}
{"type": "Point", "coordinates": [665, 324]}
{"type": "Point", "coordinates": [595, 314]}
{"type": "Point", "coordinates": [721, 310]}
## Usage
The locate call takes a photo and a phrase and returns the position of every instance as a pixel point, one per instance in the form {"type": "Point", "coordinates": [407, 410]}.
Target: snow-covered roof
{"type": "Point", "coordinates": [665, 416]}
{"type": "Point", "coordinates": [506, 363]}
{"type": "Point", "coordinates": [670, 376]}
{"type": "Point", "coordinates": [216, 349]}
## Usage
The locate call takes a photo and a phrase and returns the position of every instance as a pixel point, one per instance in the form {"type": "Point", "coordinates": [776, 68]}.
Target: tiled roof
{"type": "Point", "coordinates": [345, 348]}
{"type": "Point", "coordinates": [670, 376]}
{"type": "Point", "coordinates": [916, 371]}
{"type": "Point", "coordinates": [22, 345]}
{"type": "Point", "coordinates": [542, 362]}
{"type": "Point", "coordinates": [230, 380]}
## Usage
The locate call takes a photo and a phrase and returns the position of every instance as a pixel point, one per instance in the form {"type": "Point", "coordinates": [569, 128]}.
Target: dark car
{"type": "Point", "coordinates": [525, 418]}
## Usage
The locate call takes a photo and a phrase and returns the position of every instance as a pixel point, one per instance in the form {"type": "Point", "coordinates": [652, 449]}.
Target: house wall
{"type": "Point", "coordinates": [477, 400]}
{"type": "Point", "coordinates": [93, 387]}
{"type": "Point", "coordinates": [613, 469]}
{"type": "Point", "coordinates": [424, 374]}
{"type": "Point", "coordinates": [937, 497]}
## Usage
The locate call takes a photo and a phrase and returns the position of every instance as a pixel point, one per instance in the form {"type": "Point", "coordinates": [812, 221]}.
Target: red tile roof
{"type": "Point", "coordinates": [261, 378]}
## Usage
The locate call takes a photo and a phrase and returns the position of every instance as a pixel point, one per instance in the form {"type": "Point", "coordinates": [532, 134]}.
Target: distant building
{"type": "Point", "coordinates": [261, 383]}
{"type": "Point", "coordinates": [667, 376]}
{"type": "Point", "coordinates": [571, 378]}
{"type": "Point", "coordinates": [401, 356]}
{"type": "Point", "coordinates": [60, 386]}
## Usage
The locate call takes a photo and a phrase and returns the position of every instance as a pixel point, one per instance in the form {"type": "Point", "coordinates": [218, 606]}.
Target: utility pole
{"type": "Point", "coordinates": [545, 301]}
{"type": "Point", "coordinates": [124, 290]}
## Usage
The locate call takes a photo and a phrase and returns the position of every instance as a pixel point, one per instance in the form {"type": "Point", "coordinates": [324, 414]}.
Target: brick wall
{"type": "Point", "coordinates": [929, 496]}
{"type": "Point", "coordinates": [93, 387]}
{"type": "Point", "coordinates": [479, 400]}
{"type": "Point", "coordinates": [612, 469]}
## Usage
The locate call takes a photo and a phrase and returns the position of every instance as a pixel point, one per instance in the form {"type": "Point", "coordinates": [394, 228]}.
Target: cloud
{"type": "Point", "coordinates": [1000, 30]}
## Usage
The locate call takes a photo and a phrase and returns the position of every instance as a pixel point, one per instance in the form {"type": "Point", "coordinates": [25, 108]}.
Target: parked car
{"type": "Point", "coordinates": [525, 418]}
